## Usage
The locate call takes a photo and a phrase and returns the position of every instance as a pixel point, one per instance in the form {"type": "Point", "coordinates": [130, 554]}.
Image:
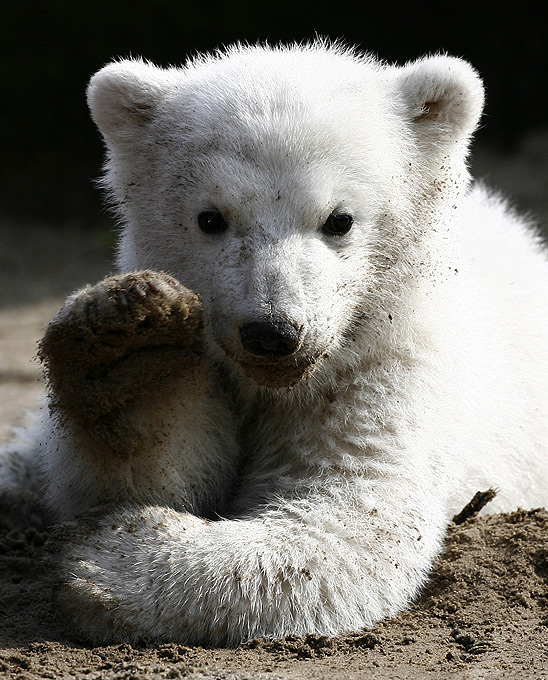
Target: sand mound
{"type": "Point", "coordinates": [485, 611]}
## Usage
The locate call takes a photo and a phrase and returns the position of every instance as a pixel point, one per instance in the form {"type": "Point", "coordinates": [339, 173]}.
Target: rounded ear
{"type": "Point", "coordinates": [124, 95]}
{"type": "Point", "coordinates": [444, 98]}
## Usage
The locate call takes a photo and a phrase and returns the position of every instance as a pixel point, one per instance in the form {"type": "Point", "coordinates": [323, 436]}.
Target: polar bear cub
{"type": "Point", "coordinates": [321, 343]}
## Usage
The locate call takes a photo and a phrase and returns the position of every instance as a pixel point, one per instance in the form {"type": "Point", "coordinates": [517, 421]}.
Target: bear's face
{"type": "Point", "coordinates": [280, 203]}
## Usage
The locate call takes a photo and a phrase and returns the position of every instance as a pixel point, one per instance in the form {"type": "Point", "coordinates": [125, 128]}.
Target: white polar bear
{"type": "Point", "coordinates": [283, 453]}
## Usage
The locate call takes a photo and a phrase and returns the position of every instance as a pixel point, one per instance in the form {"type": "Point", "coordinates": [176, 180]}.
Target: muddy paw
{"type": "Point", "coordinates": [114, 342]}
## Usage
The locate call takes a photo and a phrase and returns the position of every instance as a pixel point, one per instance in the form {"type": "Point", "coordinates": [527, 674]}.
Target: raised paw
{"type": "Point", "coordinates": [119, 341]}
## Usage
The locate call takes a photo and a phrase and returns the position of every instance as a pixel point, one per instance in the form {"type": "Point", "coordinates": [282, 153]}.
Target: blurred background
{"type": "Point", "coordinates": [51, 150]}
{"type": "Point", "coordinates": [55, 233]}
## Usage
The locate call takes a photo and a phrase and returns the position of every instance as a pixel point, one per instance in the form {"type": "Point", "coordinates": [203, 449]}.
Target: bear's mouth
{"type": "Point", "coordinates": [278, 374]}
{"type": "Point", "coordinates": [275, 372]}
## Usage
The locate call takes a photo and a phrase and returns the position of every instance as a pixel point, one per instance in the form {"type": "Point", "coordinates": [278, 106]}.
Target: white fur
{"type": "Point", "coordinates": [425, 327]}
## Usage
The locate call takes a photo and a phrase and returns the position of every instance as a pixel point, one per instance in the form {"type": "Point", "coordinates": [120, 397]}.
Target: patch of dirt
{"type": "Point", "coordinates": [484, 614]}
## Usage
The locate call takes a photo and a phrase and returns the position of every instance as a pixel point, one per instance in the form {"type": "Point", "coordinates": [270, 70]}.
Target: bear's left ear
{"type": "Point", "coordinates": [123, 96]}
{"type": "Point", "coordinates": [444, 98]}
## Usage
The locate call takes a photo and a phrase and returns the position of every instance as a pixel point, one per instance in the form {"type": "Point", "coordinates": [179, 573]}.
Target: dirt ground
{"type": "Point", "coordinates": [484, 614]}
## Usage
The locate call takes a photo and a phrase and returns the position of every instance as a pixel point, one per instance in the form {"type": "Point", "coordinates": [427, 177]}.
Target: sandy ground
{"type": "Point", "coordinates": [484, 614]}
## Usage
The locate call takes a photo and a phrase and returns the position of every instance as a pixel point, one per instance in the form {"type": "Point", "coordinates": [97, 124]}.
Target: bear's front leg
{"type": "Point", "coordinates": [116, 348]}
{"type": "Point", "coordinates": [133, 414]}
{"type": "Point", "coordinates": [330, 562]}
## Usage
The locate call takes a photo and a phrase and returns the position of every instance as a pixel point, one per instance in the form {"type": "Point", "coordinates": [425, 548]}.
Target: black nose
{"type": "Point", "coordinates": [272, 338]}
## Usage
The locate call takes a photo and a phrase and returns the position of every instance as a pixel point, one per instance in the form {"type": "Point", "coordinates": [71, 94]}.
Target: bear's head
{"type": "Point", "coordinates": [295, 189]}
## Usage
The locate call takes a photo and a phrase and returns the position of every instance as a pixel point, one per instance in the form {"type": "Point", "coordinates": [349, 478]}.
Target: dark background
{"type": "Point", "coordinates": [51, 151]}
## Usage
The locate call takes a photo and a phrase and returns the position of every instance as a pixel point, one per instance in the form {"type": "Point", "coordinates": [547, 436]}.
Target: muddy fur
{"type": "Point", "coordinates": [124, 339]}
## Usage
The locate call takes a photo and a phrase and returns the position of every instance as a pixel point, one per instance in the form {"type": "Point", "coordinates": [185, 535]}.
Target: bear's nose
{"type": "Point", "coordinates": [272, 338]}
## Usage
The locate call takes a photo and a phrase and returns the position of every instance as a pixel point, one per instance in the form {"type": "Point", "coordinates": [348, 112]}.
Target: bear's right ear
{"type": "Point", "coordinates": [444, 98]}
{"type": "Point", "coordinates": [124, 96]}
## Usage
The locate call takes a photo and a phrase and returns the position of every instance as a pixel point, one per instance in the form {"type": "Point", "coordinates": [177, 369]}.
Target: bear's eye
{"type": "Point", "coordinates": [337, 224]}
{"type": "Point", "coordinates": [212, 222]}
